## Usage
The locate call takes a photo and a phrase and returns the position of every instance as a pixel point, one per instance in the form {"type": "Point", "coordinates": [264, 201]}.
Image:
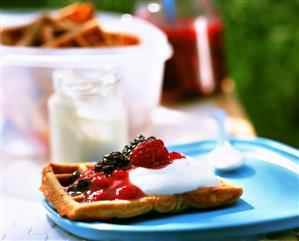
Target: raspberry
{"type": "Point", "coordinates": [150, 154]}
{"type": "Point", "coordinates": [130, 147]}
{"type": "Point", "coordinates": [175, 155]}
{"type": "Point", "coordinates": [119, 174]}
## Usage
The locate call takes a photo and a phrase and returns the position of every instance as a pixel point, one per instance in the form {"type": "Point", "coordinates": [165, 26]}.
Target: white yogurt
{"type": "Point", "coordinates": [225, 157]}
{"type": "Point", "coordinates": [182, 175]}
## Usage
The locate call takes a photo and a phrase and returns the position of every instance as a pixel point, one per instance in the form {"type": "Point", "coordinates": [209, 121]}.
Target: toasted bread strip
{"type": "Point", "coordinates": [73, 208]}
{"type": "Point", "coordinates": [30, 34]}
{"type": "Point", "coordinates": [77, 12]}
{"type": "Point", "coordinates": [10, 35]}
{"type": "Point", "coordinates": [120, 39]}
{"type": "Point", "coordinates": [67, 40]}
{"type": "Point", "coordinates": [47, 33]}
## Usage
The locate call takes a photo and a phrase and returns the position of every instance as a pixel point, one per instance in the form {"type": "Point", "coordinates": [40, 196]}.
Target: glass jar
{"type": "Point", "coordinates": [196, 33]}
{"type": "Point", "coordinates": [87, 115]}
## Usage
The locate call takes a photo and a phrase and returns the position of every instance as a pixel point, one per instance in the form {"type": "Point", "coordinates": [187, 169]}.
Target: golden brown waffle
{"type": "Point", "coordinates": [55, 179]}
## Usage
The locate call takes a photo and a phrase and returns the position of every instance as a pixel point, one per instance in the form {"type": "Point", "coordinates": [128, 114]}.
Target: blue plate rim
{"type": "Point", "coordinates": [169, 228]}
{"type": "Point", "coordinates": [275, 146]}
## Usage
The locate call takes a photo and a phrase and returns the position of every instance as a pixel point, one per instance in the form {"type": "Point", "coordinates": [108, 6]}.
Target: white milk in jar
{"type": "Point", "coordinates": [87, 115]}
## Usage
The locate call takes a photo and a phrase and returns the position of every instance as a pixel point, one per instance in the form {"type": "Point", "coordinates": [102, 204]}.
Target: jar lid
{"type": "Point", "coordinates": [81, 82]}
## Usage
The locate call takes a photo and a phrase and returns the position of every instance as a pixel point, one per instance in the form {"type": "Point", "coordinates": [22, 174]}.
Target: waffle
{"type": "Point", "coordinates": [55, 180]}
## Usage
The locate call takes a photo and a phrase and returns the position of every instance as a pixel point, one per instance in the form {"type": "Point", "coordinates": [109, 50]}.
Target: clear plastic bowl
{"type": "Point", "coordinates": [27, 74]}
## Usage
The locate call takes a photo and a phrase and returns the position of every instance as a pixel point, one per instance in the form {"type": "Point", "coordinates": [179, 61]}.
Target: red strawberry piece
{"type": "Point", "coordinates": [175, 155]}
{"type": "Point", "coordinates": [150, 154]}
{"type": "Point", "coordinates": [99, 181]}
{"type": "Point", "coordinates": [128, 192]}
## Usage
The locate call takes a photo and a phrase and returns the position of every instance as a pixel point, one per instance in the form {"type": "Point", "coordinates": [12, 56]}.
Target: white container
{"type": "Point", "coordinates": [27, 79]}
{"type": "Point", "coordinates": [87, 115]}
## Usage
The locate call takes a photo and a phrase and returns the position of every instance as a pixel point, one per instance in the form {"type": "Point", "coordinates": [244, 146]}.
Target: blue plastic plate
{"type": "Point", "coordinates": [270, 201]}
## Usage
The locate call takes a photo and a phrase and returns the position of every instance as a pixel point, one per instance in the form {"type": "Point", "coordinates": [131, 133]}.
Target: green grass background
{"type": "Point", "coordinates": [262, 43]}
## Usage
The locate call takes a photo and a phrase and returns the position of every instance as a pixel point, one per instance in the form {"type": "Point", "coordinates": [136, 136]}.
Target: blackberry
{"type": "Point", "coordinates": [75, 175]}
{"type": "Point", "coordinates": [83, 184]}
{"type": "Point", "coordinates": [108, 169]}
{"type": "Point", "coordinates": [72, 189]}
{"type": "Point", "coordinates": [98, 166]}
{"type": "Point", "coordinates": [138, 139]}
{"type": "Point", "coordinates": [111, 162]}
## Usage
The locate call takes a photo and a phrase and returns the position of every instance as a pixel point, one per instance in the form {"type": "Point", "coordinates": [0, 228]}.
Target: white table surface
{"type": "Point", "coordinates": [22, 214]}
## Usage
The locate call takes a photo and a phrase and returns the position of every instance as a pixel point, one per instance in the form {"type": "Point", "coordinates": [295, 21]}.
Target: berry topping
{"type": "Point", "coordinates": [138, 139]}
{"type": "Point", "coordinates": [75, 175]}
{"type": "Point", "coordinates": [97, 196]}
{"type": "Point", "coordinates": [119, 174]}
{"type": "Point", "coordinates": [175, 155]}
{"type": "Point", "coordinates": [72, 189]}
{"type": "Point", "coordinates": [83, 184]}
{"type": "Point", "coordinates": [109, 178]}
{"type": "Point", "coordinates": [106, 187]}
{"type": "Point", "coordinates": [112, 161]}
{"type": "Point", "coordinates": [99, 181]}
{"type": "Point", "coordinates": [127, 192]}
{"type": "Point", "coordinates": [79, 186]}
{"type": "Point", "coordinates": [150, 154]}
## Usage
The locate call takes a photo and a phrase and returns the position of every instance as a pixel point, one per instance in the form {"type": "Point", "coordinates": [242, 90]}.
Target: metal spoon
{"type": "Point", "coordinates": [225, 157]}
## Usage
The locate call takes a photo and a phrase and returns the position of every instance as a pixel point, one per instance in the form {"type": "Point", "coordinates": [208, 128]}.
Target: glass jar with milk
{"type": "Point", "coordinates": [87, 115]}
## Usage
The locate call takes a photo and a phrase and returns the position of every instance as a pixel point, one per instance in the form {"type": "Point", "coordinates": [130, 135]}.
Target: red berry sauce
{"type": "Point", "coordinates": [110, 187]}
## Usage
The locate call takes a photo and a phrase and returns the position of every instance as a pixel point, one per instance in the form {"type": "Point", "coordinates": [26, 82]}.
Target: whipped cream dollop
{"type": "Point", "coordinates": [182, 175]}
{"type": "Point", "coordinates": [225, 157]}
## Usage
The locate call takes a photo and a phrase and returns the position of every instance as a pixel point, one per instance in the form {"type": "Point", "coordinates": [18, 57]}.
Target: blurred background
{"type": "Point", "coordinates": [262, 42]}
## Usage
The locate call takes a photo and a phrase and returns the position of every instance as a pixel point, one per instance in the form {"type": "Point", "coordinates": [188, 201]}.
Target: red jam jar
{"type": "Point", "coordinates": [196, 32]}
